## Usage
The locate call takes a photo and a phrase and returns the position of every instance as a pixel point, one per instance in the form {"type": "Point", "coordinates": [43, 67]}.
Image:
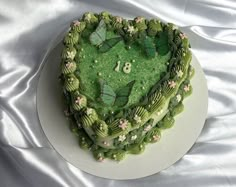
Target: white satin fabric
{"type": "Point", "coordinates": [26, 29]}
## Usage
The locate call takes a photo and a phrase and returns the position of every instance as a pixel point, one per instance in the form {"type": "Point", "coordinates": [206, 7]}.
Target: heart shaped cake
{"type": "Point", "coordinates": [123, 81]}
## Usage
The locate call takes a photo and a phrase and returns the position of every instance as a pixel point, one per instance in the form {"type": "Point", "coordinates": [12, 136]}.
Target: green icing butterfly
{"type": "Point", "coordinates": [98, 38]}
{"type": "Point", "coordinates": [120, 98]}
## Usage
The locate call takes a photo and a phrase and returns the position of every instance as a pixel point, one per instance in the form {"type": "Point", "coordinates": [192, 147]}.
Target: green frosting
{"type": "Point", "coordinates": [106, 16]}
{"type": "Point", "coordinates": [68, 53]}
{"type": "Point", "coordinates": [153, 135]}
{"type": "Point", "coordinates": [71, 38]}
{"type": "Point", "coordinates": [119, 126]}
{"type": "Point", "coordinates": [68, 67]}
{"type": "Point", "coordinates": [124, 129]}
{"type": "Point", "coordinates": [156, 100]}
{"type": "Point", "coordinates": [78, 26]}
{"type": "Point", "coordinates": [90, 18]}
{"type": "Point", "coordinates": [100, 128]}
{"type": "Point", "coordinates": [140, 24]}
{"type": "Point", "coordinates": [116, 155]}
{"type": "Point", "coordinates": [177, 110]}
{"type": "Point", "coordinates": [71, 83]}
{"type": "Point", "coordinates": [139, 114]}
{"type": "Point", "coordinates": [116, 22]}
{"type": "Point", "coordinates": [79, 101]}
{"type": "Point", "coordinates": [167, 122]}
{"type": "Point", "coordinates": [136, 148]}
{"type": "Point", "coordinates": [84, 141]}
{"type": "Point", "coordinates": [154, 26]}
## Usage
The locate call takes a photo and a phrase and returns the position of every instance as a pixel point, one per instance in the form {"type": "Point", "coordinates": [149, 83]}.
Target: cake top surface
{"type": "Point", "coordinates": [118, 61]}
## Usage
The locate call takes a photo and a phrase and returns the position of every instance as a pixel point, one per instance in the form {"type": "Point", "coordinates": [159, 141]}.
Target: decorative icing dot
{"type": "Point", "coordinates": [99, 74]}
{"type": "Point", "coordinates": [180, 73]}
{"type": "Point", "coordinates": [160, 112]}
{"type": "Point", "coordinates": [122, 138]}
{"type": "Point", "coordinates": [114, 155]}
{"type": "Point", "coordinates": [123, 124]}
{"type": "Point", "coordinates": [147, 128]}
{"type": "Point", "coordinates": [183, 35]}
{"type": "Point", "coordinates": [172, 84]}
{"type": "Point", "coordinates": [79, 100]}
{"type": "Point", "coordinates": [89, 111]}
{"type": "Point", "coordinates": [186, 88]}
{"type": "Point", "coordinates": [76, 23]}
{"type": "Point", "coordinates": [134, 137]}
{"type": "Point", "coordinates": [100, 127]}
{"type": "Point", "coordinates": [156, 137]}
{"type": "Point", "coordinates": [106, 143]}
{"type": "Point", "coordinates": [178, 97]}
{"type": "Point", "coordinates": [117, 68]}
{"type": "Point", "coordinates": [137, 118]}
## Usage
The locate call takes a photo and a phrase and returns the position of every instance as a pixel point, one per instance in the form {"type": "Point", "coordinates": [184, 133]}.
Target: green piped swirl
{"type": "Point", "coordinates": [116, 22]}
{"type": "Point", "coordinates": [79, 101]}
{"type": "Point", "coordinates": [153, 135]}
{"type": "Point", "coordinates": [71, 83]}
{"type": "Point", "coordinates": [100, 128]}
{"type": "Point", "coordinates": [116, 130]}
{"type": "Point", "coordinates": [136, 148]}
{"type": "Point", "coordinates": [78, 26]}
{"type": "Point", "coordinates": [106, 16]}
{"type": "Point", "coordinates": [68, 67]}
{"type": "Point", "coordinates": [89, 17]}
{"type": "Point", "coordinates": [84, 141]}
{"type": "Point", "coordinates": [167, 90]}
{"type": "Point", "coordinates": [140, 24]}
{"type": "Point", "coordinates": [116, 155]}
{"type": "Point", "coordinates": [138, 115]}
{"type": "Point", "coordinates": [156, 100]}
{"type": "Point", "coordinates": [68, 53]}
{"type": "Point", "coordinates": [177, 109]}
{"type": "Point", "coordinates": [71, 38]}
{"type": "Point", "coordinates": [167, 122]}
{"type": "Point", "coordinates": [88, 117]}
{"type": "Point", "coordinates": [154, 26]}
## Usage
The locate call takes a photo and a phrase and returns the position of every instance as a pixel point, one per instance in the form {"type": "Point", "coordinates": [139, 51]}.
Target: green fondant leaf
{"type": "Point", "coordinates": [99, 35]}
{"type": "Point", "coordinates": [162, 44]}
{"type": "Point", "coordinates": [108, 44]}
{"type": "Point", "coordinates": [108, 96]}
{"type": "Point", "coordinates": [149, 47]}
{"type": "Point", "coordinates": [122, 95]}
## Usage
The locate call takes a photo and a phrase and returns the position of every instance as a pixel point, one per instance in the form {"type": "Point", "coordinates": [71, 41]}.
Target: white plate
{"type": "Point", "coordinates": [175, 142]}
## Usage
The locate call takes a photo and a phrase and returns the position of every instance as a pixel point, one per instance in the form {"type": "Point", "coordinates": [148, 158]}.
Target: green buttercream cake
{"type": "Point", "coordinates": [123, 81]}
